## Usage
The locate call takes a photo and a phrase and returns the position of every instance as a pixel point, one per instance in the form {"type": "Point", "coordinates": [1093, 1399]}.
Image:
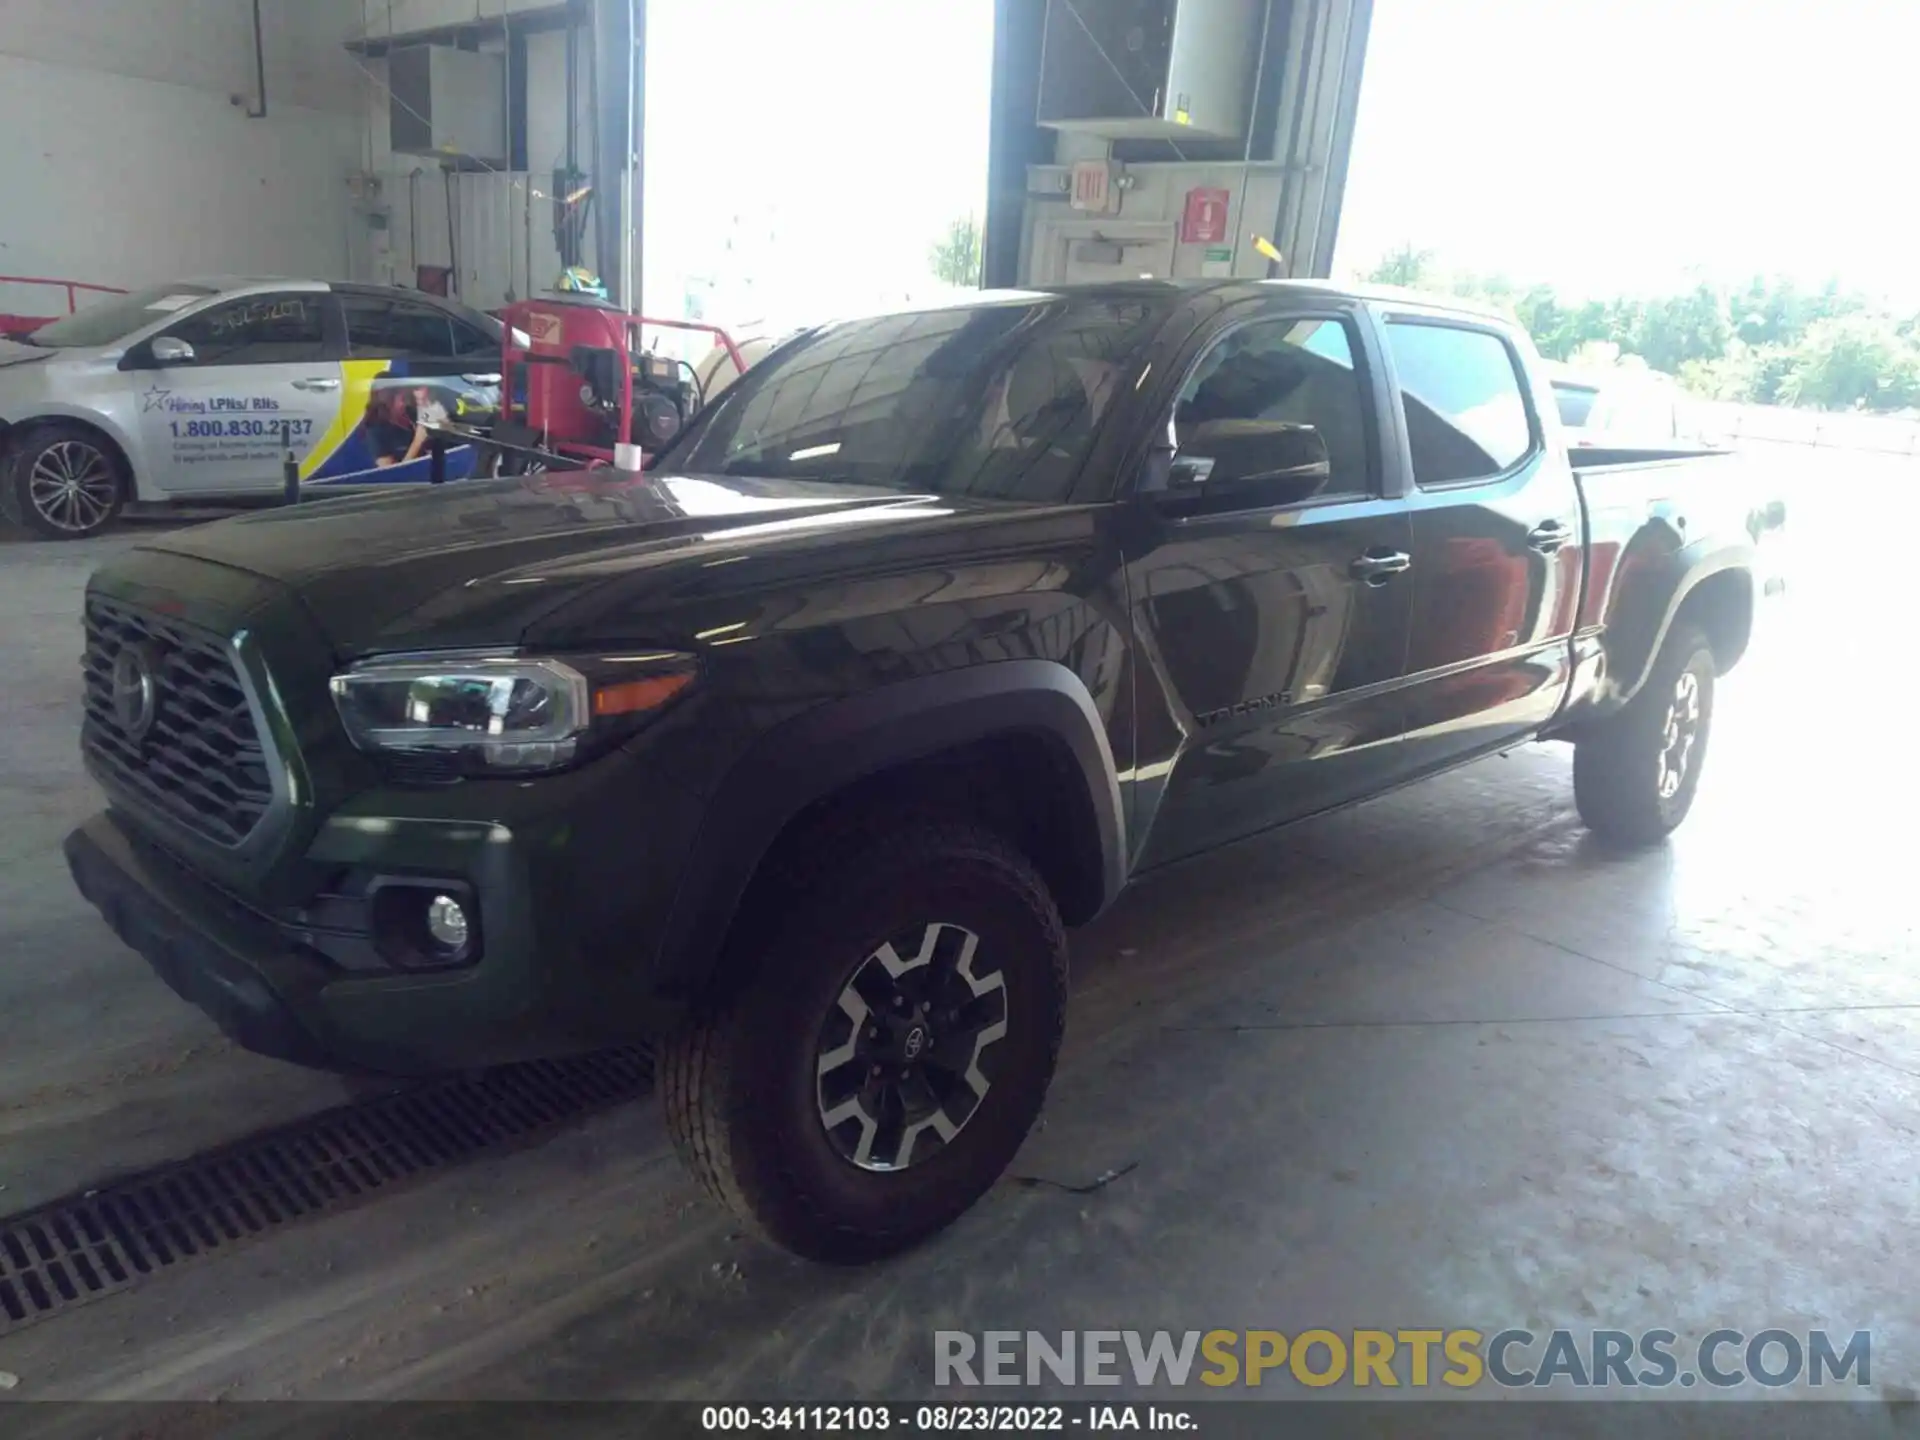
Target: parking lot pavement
{"type": "Point", "coordinates": [1438, 1060]}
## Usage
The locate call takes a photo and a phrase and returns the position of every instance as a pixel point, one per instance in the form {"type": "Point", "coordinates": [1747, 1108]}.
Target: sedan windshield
{"type": "Point", "coordinates": [113, 320]}
{"type": "Point", "coordinates": [1001, 399]}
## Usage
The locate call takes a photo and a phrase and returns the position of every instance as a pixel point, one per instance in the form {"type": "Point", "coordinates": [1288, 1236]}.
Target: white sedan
{"type": "Point", "coordinates": [204, 390]}
{"type": "Point", "coordinates": [1636, 409]}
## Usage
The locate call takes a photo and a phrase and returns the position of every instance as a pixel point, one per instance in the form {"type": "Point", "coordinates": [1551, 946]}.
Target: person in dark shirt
{"type": "Point", "coordinates": [393, 429]}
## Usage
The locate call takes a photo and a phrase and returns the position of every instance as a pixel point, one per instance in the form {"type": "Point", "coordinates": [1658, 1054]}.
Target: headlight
{"type": "Point", "coordinates": [481, 715]}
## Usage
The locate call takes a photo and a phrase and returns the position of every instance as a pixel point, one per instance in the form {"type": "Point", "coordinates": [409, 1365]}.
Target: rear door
{"type": "Point", "coordinates": [1496, 541]}
{"type": "Point", "coordinates": [1277, 633]}
{"type": "Point", "coordinates": [265, 375]}
{"type": "Point", "coordinates": [444, 367]}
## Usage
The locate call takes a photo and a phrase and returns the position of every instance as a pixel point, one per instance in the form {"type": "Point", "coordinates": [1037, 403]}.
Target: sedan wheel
{"type": "Point", "coordinates": [66, 485]}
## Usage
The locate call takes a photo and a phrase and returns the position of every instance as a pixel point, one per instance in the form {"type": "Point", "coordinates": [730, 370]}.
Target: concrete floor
{"type": "Point", "coordinates": [1437, 1061]}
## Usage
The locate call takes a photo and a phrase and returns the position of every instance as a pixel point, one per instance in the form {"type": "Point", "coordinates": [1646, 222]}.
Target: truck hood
{"type": "Point", "coordinates": [480, 562]}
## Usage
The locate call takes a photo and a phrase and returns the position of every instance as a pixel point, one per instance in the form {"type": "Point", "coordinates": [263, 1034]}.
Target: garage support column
{"type": "Point", "coordinates": [1319, 100]}
{"type": "Point", "coordinates": [619, 59]}
{"type": "Point", "coordinates": [1014, 141]}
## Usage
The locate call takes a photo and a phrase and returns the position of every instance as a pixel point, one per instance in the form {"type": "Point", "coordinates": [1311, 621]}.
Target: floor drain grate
{"type": "Point", "coordinates": [78, 1249]}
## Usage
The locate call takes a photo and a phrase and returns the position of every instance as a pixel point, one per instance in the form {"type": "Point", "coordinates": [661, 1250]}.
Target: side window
{"type": "Point", "coordinates": [259, 330]}
{"type": "Point", "coordinates": [1282, 374]}
{"type": "Point", "coordinates": [1575, 403]}
{"type": "Point", "coordinates": [378, 326]}
{"type": "Point", "coordinates": [471, 340]}
{"type": "Point", "coordinates": [1466, 414]}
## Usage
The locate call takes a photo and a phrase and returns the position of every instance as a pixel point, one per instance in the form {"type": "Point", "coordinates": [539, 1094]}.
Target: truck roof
{"type": "Point", "coordinates": [1246, 289]}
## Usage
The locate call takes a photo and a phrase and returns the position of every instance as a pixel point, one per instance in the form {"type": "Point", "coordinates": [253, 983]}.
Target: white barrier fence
{"type": "Point", "coordinates": [1721, 423]}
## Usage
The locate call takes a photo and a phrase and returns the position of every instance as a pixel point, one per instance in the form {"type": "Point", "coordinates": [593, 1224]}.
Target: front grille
{"type": "Point", "coordinates": [200, 764]}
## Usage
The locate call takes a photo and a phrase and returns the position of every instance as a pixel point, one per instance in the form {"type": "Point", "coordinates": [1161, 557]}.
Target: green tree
{"type": "Point", "coordinates": [1850, 361]}
{"type": "Point", "coordinates": [1778, 312]}
{"type": "Point", "coordinates": [956, 257]}
{"type": "Point", "coordinates": [1405, 267]}
{"type": "Point", "coordinates": [1560, 330]}
{"type": "Point", "coordinates": [1669, 332]}
{"type": "Point", "coordinates": [1768, 342]}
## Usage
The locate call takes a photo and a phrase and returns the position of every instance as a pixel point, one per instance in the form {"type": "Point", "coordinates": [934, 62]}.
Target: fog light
{"type": "Point", "coordinates": [447, 923]}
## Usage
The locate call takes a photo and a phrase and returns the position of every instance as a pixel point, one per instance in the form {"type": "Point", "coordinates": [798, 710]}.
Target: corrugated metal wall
{"type": "Point", "coordinates": [503, 223]}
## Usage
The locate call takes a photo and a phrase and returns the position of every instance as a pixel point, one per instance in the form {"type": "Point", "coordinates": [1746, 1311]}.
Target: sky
{"type": "Point", "coordinates": [828, 141]}
{"type": "Point", "coordinates": [1623, 146]}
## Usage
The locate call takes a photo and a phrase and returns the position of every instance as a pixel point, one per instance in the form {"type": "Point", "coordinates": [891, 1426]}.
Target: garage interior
{"type": "Point", "coordinates": [1437, 1060]}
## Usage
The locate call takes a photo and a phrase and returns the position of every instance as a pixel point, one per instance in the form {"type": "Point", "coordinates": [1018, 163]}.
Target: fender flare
{"type": "Point", "coordinates": [823, 750]}
{"type": "Point", "coordinates": [1633, 637]}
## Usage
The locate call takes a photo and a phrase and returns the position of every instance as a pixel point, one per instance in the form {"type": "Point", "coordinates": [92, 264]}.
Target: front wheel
{"type": "Point", "coordinates": [64, 482]}
{"type": "Point", "coordinates": [1634, 775]}
{"type": "Point", "coordinates": [890, 1053]}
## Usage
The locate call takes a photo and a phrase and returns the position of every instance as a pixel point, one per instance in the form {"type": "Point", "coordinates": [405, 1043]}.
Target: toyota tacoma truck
{"type": "Point", "coordinates": [798, 753]}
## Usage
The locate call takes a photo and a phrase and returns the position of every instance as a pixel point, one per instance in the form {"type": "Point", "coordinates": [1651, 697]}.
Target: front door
{"type": "Point", "coordinates": [1277, 630]}
{"type": "Point", "coordinates": [263, 376]}
{"type": "Point", "coordinates": [1496, 544]}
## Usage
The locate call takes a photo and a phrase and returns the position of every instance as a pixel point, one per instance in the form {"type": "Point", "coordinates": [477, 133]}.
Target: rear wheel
{"type": "Point", "coordinates": [891, 1051]}
{"type": "Point", "coordinates": [64, 482]}
{"type": "Point", "coordinates": [1634, 776]}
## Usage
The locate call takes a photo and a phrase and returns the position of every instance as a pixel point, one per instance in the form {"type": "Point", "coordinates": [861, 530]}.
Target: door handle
{"type": "Point", "coordinates": [1548, 536]}
{"type": "Point", "coordinates": [1378, 566]}
{"type": "Point", "coordinates": [316, 384]}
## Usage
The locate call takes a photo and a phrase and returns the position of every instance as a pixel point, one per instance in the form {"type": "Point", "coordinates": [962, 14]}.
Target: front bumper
{"type": "Point", "coordinates": [212, 953]}
{"type": "Point", "coordinates": [251, 974]}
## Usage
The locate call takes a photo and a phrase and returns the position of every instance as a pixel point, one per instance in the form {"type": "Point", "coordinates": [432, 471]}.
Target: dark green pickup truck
{"type": "Point", "coordinates": [799, 752]}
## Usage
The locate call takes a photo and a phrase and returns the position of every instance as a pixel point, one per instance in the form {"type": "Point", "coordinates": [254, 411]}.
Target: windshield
{"type": "Point", "coordinates": [1575, 403]}
{"type": "Point", "coordinates": [1000, 400]}
{"type": "Point", "coordinates": [115, 319]}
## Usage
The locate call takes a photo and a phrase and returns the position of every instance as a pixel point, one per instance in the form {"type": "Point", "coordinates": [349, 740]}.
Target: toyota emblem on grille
{"type": "Point", "coordinates": [133, 692]}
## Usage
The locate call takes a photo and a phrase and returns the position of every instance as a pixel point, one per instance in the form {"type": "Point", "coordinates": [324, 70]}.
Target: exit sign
{"type": "Point", "coordinates": [1092, 186]}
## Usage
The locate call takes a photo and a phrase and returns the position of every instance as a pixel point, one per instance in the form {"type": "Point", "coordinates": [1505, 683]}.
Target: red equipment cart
{"type": "Point", "coordinates": [582, 390]}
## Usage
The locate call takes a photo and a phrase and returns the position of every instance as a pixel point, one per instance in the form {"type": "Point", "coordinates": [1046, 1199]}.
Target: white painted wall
{"type": "Point", "coordinates": [125, 161]}
{"type": "Point", "coordinates": [200, 44]}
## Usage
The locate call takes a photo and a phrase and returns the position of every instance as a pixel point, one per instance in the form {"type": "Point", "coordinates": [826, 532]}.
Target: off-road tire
{"type": "Point", "coordinates": [739, 1085]}
{"type": "Point", "coordinates": [60, 442]}
{"type": "Point", "coordinates": [1617, 764]}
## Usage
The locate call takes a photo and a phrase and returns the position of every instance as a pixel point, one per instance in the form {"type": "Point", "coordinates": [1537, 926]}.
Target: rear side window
{"type": "Point", "coordinates": [470, 340]}
{"type": "Point", "coordinates": [1466, 413]}
{"type": "Point", "coordinates": [379, 326]}
{"type": "Point", "coordinates": [1575, 403]}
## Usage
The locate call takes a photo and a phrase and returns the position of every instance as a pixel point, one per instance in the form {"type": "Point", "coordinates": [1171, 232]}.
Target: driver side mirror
{"type": "Point", "coordinates": [171, 350]}
{"type": "Point", "coordinates": [1251, 464]}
